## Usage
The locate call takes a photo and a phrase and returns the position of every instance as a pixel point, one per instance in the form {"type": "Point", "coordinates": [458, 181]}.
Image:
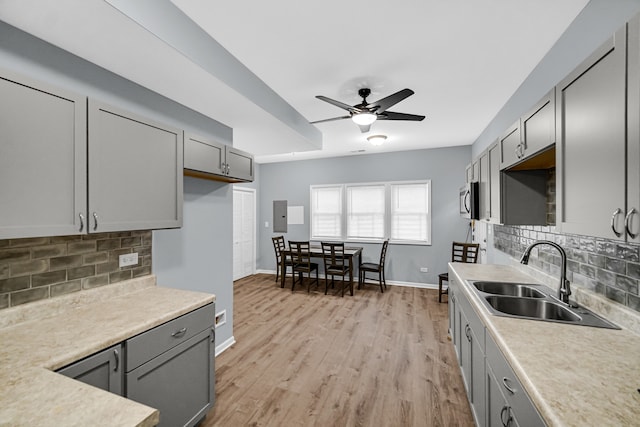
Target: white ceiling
{"type": "Point", "coordinates": [463, 59]}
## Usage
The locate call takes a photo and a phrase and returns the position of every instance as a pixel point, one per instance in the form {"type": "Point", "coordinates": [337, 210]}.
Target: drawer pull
{"type": "Point", "coordinates": [506, 385]}
{"type": "Point", "coordinates": [116, 356]}
{"type": "Point", "coordinates": [506, 410]}
{"type": "Point", "coordinates": [179, 333]}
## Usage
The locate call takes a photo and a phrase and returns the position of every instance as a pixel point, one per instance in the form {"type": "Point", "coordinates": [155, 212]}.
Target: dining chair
{"type": "Point", "coordinates": [335, 264]}
{"type": "Point", "coordinates": [460, 252]}
{"type": "Point", "coordinates": [279, 247]}
{"type": "Point", "coordinates": [300, 257]}
{"type": "Point", "coordinates": [374, 268]}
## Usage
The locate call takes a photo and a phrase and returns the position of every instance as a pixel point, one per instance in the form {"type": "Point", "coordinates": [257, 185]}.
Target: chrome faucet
{"type": "Point", "coordinates": [565, 289]}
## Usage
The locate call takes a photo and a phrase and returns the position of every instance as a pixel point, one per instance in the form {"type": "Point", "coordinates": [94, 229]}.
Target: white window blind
{"type": "Point", "coordinates": [326, 212]}
{"type": "Point", "coordinates": [365, 211]}
{"type": "Point", "coordinates": [409, 212]}
{"type": "Point", "coordinates": [399, 211]}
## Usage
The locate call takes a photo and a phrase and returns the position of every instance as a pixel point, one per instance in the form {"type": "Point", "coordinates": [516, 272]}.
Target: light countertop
{"type": "Point", "coordinates": [574, 375]}
{"type": "Point", "coordinates": [41, 337]}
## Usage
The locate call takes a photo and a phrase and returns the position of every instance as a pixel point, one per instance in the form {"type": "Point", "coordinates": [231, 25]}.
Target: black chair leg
{"type": "Point", "coordinates": [380, 279]}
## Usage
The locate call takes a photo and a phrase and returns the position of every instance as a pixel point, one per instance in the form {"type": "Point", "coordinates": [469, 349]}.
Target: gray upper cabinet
{"type": "Point", "coordinates": [103, 370]}
{"type": "Point", "coordinates": [632, 217]}
{"type": "Point", "coordinates": [591, 158]}
{"type": "Point", "coordinates": [485, 199]}
{"type": "Point", "coordinates": [538, 126]}
{"type": "Point", "coordinates": [135, 171]}
{"type": "Point", "coordinates": [42, 159]}
{"type": "Point", "coordinates": [510, 146]}
{"type": "Point", "coordinates": [208, 159]}
{"type": "Point", "coordinates": [493, 154]}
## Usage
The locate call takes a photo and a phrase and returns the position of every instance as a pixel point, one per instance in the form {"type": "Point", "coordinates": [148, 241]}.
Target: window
{"type": "Point", "coordinates": [400, 211]}
{"type": "Point", "coordinates": [326, 208]}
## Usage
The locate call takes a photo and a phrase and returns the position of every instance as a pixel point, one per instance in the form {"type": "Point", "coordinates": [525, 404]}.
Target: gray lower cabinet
{"type": "Point", "coordinates": [171, 368]}
{"type": "Point", "coordinates": [208, 159]}
{"type": "Point", "coordinates": [508, 402]}
{"type": "Point", "coordinates": [42, 159]}
{"type": "Point", "coordinates": [103, 370]}
{"type": "Point", "coordinates": [495, 394]}
{"type": "Point", "coordinates": [135, 171]}
{"type": "Point", "coordinates": [591, 116]}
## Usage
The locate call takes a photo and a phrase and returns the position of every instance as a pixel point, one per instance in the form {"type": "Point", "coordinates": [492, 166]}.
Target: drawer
{"type": "Point", "coordinates": [511, 388]}
{"type": "Point", "coordinates": [149, 344]}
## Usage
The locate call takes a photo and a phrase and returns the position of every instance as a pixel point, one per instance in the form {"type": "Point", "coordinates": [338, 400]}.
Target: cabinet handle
{"type": "Point", "coordinates": [506, 409]}
{"type": "Point", "coordinates": [213, 334]}
{"type": "Point", "coordinates": [81, 222]}
{"type": "Point", "coordinates": [95, 221]}
{"type": "Point", "coordinates": [613, 222]}
{"type": "Point", "coordinates": [179, 333]}
{"type": "Point", "coordinates": [627, 223]}
{"type": "Point", "coordinates": [506, 385]}
{"type": "Point", "coordinates": [116, 355]}
{"type": "Point", "coordinates": [467, 331]}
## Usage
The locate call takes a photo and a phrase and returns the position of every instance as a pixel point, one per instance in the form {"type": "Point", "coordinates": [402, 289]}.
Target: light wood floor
{"type": "Point", "coordinates": [309, 359]}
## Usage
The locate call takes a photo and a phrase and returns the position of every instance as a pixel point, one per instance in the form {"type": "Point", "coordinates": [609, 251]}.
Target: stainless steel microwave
{"type": "Point", "coordinates": [470, 201]}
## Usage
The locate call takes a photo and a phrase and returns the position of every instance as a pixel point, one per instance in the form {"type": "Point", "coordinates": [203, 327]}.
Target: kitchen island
{"type": "Point", "coordinates": [574, 375]}
{"type": "Point", "coordinates": [41, 337]}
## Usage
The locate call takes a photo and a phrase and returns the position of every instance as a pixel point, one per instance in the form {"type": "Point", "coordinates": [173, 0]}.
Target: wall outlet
{"type": "Point", "coordinates": [128, 259]}
{"type": "Point", "coordinates": [221, 318]}
{"type": "Point", "coordinates": [424, 270]}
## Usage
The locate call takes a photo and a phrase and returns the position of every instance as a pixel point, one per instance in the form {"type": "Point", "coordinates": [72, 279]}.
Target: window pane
{"type": "Point", "coordinates": [365, 211]}
{"type": "Point", "coordinates": [409, 212]}
{"type": "Point", "coordinates": [326, 212]}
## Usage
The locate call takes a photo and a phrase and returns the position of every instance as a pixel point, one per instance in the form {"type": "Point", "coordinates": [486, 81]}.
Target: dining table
{"type": "Point", "coordinates": [350, 252]}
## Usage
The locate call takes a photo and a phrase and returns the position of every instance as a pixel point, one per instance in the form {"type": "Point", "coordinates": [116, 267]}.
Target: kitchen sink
{"type": "Point", "coordinates": [533, 308]}
{"type": "Point", "coordinates": [533, 302]}
{"type": "Point", "coordinates": [508, 288]}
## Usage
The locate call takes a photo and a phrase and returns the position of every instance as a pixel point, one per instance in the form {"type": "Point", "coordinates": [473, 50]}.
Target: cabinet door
{"type": "Point", "coordinates": [539, 125]}
{"type": "Point", "coordinates": [451, 300]}
{"type": "Point", "coordinates": [475, 170]}
{"type": "Point", "coordinates": [494, 183]}
{"type": "Point", "coordinates": [498, 410]}
{"type": "Point", "coordinates": [202, 155]}
{"type": "Point", "coordinates": [633, 130]}
{"type": "Point", "coordinates": [591, 159]}
{"type": "Point", "coordinates": [102, 370]}
{"type": "Point", "coordinates": [478, 401]}
{"type": "Point", "coordinates": [179, 383]}
{"type": "Point", "coordinates": [135, 171]}
{"type": "Point", "coordinates": [510, 146]}
{"type": "Point", "coordinates": [42, 159]}
{"type": "Point", "coordinates": [485, 194]}
{"type": "Point", "coordinates": [239, 164]}
{"type": "Point", "coordinates": [468, 174]}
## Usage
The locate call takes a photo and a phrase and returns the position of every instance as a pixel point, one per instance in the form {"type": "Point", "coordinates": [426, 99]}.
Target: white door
{"type": "Point", "coordinates": [244, 232]}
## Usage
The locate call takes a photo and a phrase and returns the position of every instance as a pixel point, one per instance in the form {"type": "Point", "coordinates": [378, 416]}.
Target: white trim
{"type": "Point", "coordinates": [225, 345]}
{"type": "Point", "coordinates": [371, 282]}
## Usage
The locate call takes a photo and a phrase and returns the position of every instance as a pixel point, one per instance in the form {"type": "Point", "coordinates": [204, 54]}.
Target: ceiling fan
{"type": "Point", "coordinates": [364, 114]}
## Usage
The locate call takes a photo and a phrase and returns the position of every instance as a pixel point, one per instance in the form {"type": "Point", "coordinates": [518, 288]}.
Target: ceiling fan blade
{"type": "Point", "coordinates": [364, 128]}
{"type": "Point", "coordinates": [330, 120]}
{"type": "Point", "coordinates": [339, 104]}
{"type": "Point", "coordinates": [381, 105]}
{"type": "Point", "coordinates": [390, 115]}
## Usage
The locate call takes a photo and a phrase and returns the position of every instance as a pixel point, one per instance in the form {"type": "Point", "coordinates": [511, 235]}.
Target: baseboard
{"type": "Point", "coordinates": [368, 281]}
{"type": "Point", "coordinates": [225, 345]}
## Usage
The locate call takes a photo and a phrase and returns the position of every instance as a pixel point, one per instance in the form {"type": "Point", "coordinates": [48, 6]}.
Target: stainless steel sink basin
{"type": "Point", "coordinates": [533, 302]}
{"type": "Point", "coordinates": [508, 288]}
{"type": "Point", "coordinates": [532, 308]}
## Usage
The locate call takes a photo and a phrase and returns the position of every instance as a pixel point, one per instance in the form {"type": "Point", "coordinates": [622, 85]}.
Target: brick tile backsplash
{"type": "Point", "coordinates": [46, 267]}
{"type": "Point", "coordinates": [607, 267]}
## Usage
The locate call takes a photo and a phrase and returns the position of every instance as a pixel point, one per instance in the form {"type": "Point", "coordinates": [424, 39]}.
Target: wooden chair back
{"type": "Point", "coordinates": [278, 247]}
{"type": "Point", "coordinates": [465, 252]}
{"type": "Point", "coordinates": [300, 255]}
{"type": "Point", "coordinates": [383, 252]}
{"type": "Point", "coordinates": [333, 254]}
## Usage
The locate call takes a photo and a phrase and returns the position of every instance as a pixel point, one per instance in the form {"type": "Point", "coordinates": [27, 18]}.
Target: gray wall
{"type": "Point", "coordinates": [204, 262]}
{"type": "Point", "coordinates": [597, 22]}
{"type": "Point", "coordinates": [445, 167]}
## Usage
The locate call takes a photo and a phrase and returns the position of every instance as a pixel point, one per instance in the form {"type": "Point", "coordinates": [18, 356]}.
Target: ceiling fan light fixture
{"type": "Point", "coordinates": [377, 139]}
{"type": "Point", "coordinates": [363, 119]}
